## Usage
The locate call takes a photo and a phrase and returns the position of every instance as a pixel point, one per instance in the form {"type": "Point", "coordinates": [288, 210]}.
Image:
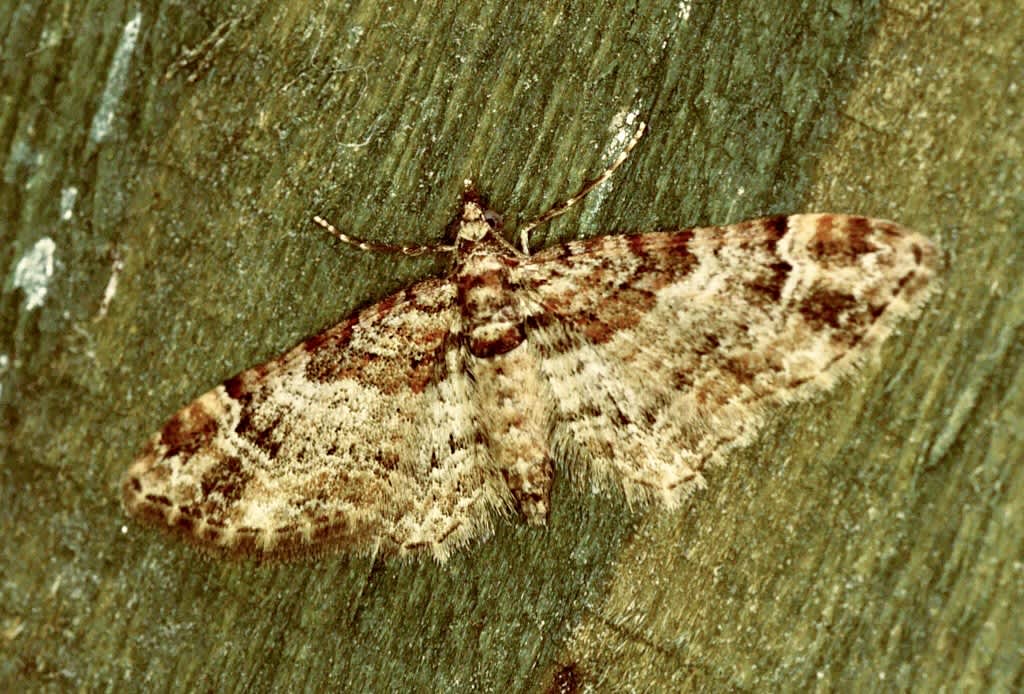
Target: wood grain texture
{"type": "Point", "coordinates": [869, 540]}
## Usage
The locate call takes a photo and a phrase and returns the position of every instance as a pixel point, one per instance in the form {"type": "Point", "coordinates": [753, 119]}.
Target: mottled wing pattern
{"type": "Point", "coordinates": [663, 351]}
{"type": "Point", "coordinates": [362, 436]}
{"type": "Point", "coordinates": [636, 361]}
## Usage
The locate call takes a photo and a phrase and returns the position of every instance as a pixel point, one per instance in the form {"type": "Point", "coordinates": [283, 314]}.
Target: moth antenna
{"type": "Point", "coordinates": [380, 247]}
{"type": "Point", "coordinates": [562, 207]}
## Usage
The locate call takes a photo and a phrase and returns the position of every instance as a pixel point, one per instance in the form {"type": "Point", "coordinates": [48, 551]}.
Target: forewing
{"type": "Point", "coordinates": [362, 436]}
{"type": "Point", "coordinates": [663, 351]}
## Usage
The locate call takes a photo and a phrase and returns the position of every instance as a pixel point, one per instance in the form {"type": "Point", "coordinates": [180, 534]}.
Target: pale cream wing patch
{"type": "Point", "coordinates": [364, 436]}
{"type": "Point", "coordinates": [664, 351]}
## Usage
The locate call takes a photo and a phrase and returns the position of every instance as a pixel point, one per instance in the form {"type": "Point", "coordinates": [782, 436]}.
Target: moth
{"type": "Point", "coordinates": [633, 362]}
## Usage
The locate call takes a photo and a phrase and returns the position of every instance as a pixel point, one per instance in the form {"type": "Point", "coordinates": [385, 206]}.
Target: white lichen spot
{"type": "Point", "coordinates": [4, 362]}
{"type": "Point", "coordinates": [624, 126]}
{"type": "Point", "coordinates": [683, 10]}
{"type": "Point", "coordinates": [12, 629]}
{"type": "Point", "coordinates": [117, 79]}
{"type": "Point", "coordinates": [20, 154]}
{"type": "Point", "coordinates": [111, 289]}
{"type": "Point", "coordinates": [68, 196]}
{"type": "Point", "coordinates": [33, 272]}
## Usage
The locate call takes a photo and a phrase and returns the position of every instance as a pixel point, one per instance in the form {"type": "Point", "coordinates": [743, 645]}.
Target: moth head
{"type": "Point", "coordinates": [475, 221]}
{"type": "Point", "coordinates": [473, 224]}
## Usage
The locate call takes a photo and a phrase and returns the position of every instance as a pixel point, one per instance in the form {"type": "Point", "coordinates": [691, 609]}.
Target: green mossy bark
{"type": "Point", "coordinates": [871, 539]}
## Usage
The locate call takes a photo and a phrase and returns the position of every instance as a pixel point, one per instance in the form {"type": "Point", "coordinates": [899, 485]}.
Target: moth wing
{"type": "Point", "coordinates": [362, 436]}
{"type": "Point", "coordinates": [663, 351]}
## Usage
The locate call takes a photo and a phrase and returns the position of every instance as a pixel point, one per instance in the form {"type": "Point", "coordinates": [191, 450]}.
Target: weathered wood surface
{"type": "Point", "coordinates": [871, 539]}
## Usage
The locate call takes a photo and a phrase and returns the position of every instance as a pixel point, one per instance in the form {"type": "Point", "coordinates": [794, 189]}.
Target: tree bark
{"type": "Point", "coordinates": [869, 540]}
